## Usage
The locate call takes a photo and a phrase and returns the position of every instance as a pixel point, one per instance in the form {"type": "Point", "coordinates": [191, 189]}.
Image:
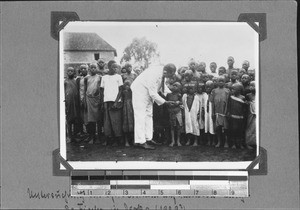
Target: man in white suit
{"type": "Point", "coordinates": [145, 90]}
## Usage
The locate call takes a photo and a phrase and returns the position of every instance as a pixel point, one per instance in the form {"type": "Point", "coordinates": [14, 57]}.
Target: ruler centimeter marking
{"type": "Point", "coordinates": [204, 183]}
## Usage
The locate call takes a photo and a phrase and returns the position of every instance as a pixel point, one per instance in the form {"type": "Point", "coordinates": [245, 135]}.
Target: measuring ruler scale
{"type": "Point", "coordinates": [200, 183]}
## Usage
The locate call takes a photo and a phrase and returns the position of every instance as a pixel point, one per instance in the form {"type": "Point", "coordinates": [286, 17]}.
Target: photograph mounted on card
{"type": "Point", "coordinates": [159, 95]}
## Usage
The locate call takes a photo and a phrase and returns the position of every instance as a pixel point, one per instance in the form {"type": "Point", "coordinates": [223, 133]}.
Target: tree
{"type": "Point", "coordinates": [140, 50]}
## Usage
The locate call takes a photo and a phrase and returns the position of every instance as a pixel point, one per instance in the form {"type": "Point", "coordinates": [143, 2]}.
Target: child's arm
{"type": "Point", "coordinates": [228, 106]}
{"type": "Point", "coordinates": [119, 93]}
{"type": "Point", "coordinates": [84, 93]}
{"type": "Point", "coordinates": [213, 111]}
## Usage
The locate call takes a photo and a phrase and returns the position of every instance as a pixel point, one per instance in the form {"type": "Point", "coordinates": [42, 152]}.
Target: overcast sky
{"type": "Point", "coordinates": [180, 41]}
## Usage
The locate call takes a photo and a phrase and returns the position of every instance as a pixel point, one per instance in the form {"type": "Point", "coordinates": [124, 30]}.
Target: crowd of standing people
{"type": "Point", "coordinates": [214, 107]}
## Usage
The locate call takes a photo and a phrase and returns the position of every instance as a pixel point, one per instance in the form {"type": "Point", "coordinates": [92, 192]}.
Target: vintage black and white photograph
{"type": "Point", "coordinates": [159, 95]}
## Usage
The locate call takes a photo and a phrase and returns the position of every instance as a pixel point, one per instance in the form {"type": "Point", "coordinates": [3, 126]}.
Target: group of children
{"type": "Point", "coordinates": [215, 108]}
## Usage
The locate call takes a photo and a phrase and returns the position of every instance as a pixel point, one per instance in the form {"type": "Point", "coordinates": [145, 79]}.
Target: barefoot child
{"type": "Point", "coordinates": [201, 117]}
{"type": "Point", "coordinates": [128, 119]}
{"type": "Point", "coordinates": [236, 110]}
{"type": "Point", "coordinates": [111, 85]}
{"type": "Point", "coordinates": [80, 85]}
{"type": "Point", "coordinates": [251, 118]}
{"type": "Point", "coordinates": [72, 104]}
{"type": "Point", "coordinates": [191, 104]}
{"type": "Point", "coordinates": [219, 106]}
{"type": "Point", "coordinates": [175, 116]}
{"type": "Point", "coordinates": [209, 124]}
{"type": "Point", "coordinates": [92, 102]}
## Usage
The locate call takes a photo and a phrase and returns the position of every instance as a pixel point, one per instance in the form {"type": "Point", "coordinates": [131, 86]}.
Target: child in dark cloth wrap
{"type": "Point", "coordinates": [175, 115]}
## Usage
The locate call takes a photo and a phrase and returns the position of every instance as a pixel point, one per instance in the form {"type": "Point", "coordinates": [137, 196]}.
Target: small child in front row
{"type": "Point", "coordinates": [128, 117]}
{"type": "Point", "coordinates": [209, 124]}
{"type": "Point", "coordinates": [236, 110]}
{"type": "Point", "coordinates": [175, 115]}
{"type": "Point", "coordinates": [72, 104]}
{"type": "Point", "coordinates": [219, 98]}
{"type": "Point", "coordinates": [191, 105]}
{"type": "Point", "coordinates": [201, 117]}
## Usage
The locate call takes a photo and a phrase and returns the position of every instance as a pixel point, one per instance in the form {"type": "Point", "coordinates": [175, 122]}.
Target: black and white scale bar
{"type": "Point", "coordinates": [228, 185]}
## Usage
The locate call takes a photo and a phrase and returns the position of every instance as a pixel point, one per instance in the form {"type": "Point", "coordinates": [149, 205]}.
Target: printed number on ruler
{"type": "Point", "coordinates": [125, 192]}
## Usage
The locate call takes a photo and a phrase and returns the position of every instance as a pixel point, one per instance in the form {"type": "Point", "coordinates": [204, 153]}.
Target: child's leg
{"type": "Point", "coordinates": [188, 137]}
{"type": "Point", "coordinates": [172, 136]}
{"type": "Point", "coordinates": [126, 136]}
{"type": "Point", "coordinates": [69, 132]}
{"type": "Point", "coordinates": [233, 141]}
{"type": "Point", "coordinates": [226, 138]}
{"type": "Point", "coordinates": [178, 136]}
{"type": "Point", "coordinates": [219, 135]}
{"type": "Point", "coordinates": [92, 132]}
{"type": "Point", "coordinates": [203, 138]}
{"type": "Point", "coordinates": [195, 140]}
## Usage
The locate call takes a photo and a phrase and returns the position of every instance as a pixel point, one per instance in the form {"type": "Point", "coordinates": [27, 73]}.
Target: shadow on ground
{"type": "Point", "coordinates": [97, 152]}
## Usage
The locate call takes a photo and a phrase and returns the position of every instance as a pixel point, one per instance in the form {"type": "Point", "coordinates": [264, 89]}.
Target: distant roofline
{"type": "Point", "coordinates": [94, 50]}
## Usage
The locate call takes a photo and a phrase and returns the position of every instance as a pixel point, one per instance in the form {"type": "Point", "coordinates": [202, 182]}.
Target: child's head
{"type": "Point", "coordinates": [93, 69]}
{"type": "Point", "coordinates": [221, 81]}
{"type": "Point", "coordinates": [204, 77]}
{"type": "Point", "coordinates": [123, 70]}
{"type": "Point", "coordinates": [113, 68]}
{"type": "Point", "coordinates": [176, 87]}
{"type": "Point", "coordinates": [234, 75]}
{"type": "Point", "coordinates": [173, 79]}
{"type": "Point", "coordinates": [252, 87]}
{"type": "Point", "coordinates": [182, 72]}
{"type": "Point", "coordinates": [202, 66]}
{"type": "Point", "coordinates": [126, 85]}
{"type": "Point", "coordinates": [188, 75]}
{"type": "Point", "coordinates": [201, 87]}
{"type": "Point", "coordinates": [230, 61]}
{"type": "Point", "coordinates": [71, 72]}
{"type": "Point", "coordinates": [83, 70]}
{"type": "Point", "coordinates": [109, 64]}
{"type": "Point", "coordinates": [251, 75]}
{"type": "Point", "coordinates": [210, 76]}
{"type": "Point", "coordinates": [138, 71]}
{"type": "Point", "coordinates": [241, 73]}
{"type": "Point", "coordinates": [128, 68]}
{"type": "Point", "coordinates": [213, 67]}
{"type": "Point", "coordinates": [215, 82]}
{"type": "Point", "coordinates": [245, 80]}
{"type": "Point", "coordinates": [237, 89]}
{"type": "Point", "coordinates": [227, 79]}
{"type": "Point", "coordinates": [209, 86]}
{"type": "Point", "coordinates": [191, 89]}
{"type": "Point", "coordinates": [101, 63]}
{"type": "Point", "coordinates": [221, 70]}
{"type": "Point", "coordinates": [246, 65]}
{"type": "Point", "coordinates": [192, 65]}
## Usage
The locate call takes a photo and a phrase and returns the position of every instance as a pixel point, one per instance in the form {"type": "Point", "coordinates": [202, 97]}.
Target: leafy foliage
{"type": "Point", "coordinates": [140, 50]}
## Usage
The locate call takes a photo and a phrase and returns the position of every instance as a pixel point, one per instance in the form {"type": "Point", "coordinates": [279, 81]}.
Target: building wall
{"type": "Point", "coordinates": [86, 56]}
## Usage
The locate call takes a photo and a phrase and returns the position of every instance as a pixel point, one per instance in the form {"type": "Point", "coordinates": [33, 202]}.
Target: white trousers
{"type": "Point", "coordinates": [143, 115]}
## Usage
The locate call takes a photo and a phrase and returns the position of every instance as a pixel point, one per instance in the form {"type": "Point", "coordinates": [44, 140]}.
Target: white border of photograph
{"type": "Point", "coordinates": [76, 26]}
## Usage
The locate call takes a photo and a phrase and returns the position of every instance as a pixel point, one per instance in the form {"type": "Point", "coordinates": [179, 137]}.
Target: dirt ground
{"type": "Point", "coordinates": [97, 152]}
